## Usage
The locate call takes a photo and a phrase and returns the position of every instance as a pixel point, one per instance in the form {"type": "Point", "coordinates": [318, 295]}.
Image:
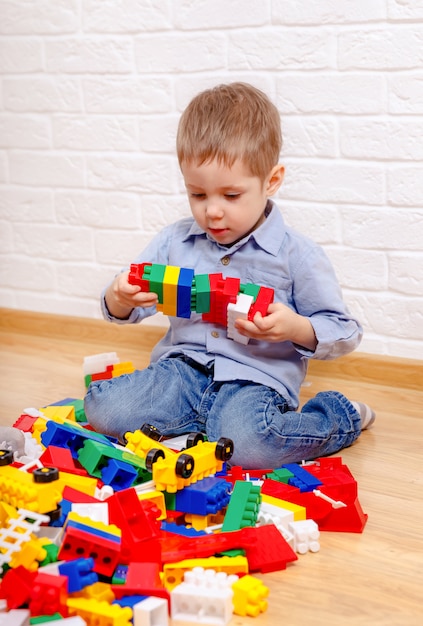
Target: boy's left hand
{"type": "Point", "coordinates": [280, 324]}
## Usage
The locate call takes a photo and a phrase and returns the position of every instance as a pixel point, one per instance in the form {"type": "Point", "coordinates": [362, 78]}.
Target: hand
{"type": "Point", "coordinates": [280, 324]}
{"type": "Point", "coordinates": [122, 297]}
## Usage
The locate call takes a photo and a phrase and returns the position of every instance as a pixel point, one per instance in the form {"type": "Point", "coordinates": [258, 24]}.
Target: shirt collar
{"type": "Point", "coordinates": [268, 236]}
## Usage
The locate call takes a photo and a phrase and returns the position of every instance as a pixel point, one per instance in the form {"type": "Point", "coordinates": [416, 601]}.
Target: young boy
{"type": "Point", "coordinates": [228, 144]}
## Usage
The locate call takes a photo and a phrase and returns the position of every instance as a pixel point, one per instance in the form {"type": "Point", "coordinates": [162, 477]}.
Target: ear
{"type": "Point", "coordinates": [275, 179]}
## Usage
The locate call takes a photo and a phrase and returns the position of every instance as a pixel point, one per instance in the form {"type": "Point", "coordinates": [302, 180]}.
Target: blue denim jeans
{"type": "Point", "coordinates": [179, 396]}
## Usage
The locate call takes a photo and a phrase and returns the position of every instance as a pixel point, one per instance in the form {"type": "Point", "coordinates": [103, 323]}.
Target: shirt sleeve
{"type": "Point", "coordinates": [318, 296]}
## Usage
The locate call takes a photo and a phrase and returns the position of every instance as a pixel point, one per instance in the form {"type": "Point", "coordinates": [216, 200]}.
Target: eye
{"type": "Point", "coordinates": [232, 196]}
{"type": "Point", "coordinates": [198, 196]}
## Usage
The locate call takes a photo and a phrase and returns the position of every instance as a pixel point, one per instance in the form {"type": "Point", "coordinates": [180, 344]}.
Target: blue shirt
{"type": "Point", "coordinates": [274, 255]}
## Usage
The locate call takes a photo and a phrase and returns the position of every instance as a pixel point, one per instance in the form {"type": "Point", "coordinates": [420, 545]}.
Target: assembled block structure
{"type": "Point", "coordinates": [219, 300]}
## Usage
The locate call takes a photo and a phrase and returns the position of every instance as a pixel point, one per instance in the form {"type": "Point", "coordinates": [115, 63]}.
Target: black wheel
{"type": "Point", "coordinates": [224, 449]}
{"type": "Point", "coordinates": [152, 457]}
{"type": "Point", "coordinates": [151, 431]}
{"type": "Point", "coordinates": [184, 466]}
{"type": "Point", "coordinates": [45, 474]}
{"type": "Point", "coordinates": [6, 457]}
{"type": "Point", "coordinates": [55, 515]}
{"type": "Point", "coordinates": [194, 438]}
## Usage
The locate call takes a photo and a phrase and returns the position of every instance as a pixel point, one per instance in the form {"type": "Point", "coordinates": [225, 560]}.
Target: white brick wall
{"type": "Point", "coordinates": [90, 96]}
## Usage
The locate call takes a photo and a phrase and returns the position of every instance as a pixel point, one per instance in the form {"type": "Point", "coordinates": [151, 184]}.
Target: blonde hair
{"type": "Point", "coordinates": [230, 122]}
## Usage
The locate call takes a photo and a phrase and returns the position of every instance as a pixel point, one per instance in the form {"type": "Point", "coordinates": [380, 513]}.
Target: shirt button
{"type": "Point", "coordinates": [225, 260]}
{"type": "Point", "coordinates": [215, 334]}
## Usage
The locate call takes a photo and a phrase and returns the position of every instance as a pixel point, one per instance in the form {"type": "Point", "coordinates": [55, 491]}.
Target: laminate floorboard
{"type": "Point", "coordinates": [370, 579]}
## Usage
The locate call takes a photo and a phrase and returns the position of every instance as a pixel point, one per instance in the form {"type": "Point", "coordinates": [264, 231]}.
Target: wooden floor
{"type": "Point", "coordinates": [374, 578]}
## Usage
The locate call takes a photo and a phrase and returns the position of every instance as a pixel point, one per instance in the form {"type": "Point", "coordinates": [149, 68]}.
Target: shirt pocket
{"type": "Point", "coordinates": [282, 285]}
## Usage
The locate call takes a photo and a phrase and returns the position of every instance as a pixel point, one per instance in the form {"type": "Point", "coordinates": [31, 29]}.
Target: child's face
{"type": "Point", "coordinates": [228, 203]}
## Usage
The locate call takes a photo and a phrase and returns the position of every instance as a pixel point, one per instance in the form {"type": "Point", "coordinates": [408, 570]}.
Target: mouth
{"type": "Point", "coordinates": [217, 232]}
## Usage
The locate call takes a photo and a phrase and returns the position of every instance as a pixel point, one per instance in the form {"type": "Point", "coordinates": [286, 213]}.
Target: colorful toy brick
{"type": "Point", "coordinates": [206, 497]}
{"type": "Point", "coordinates": [249, 596]}
{"type": "Point", "coordinates": [22, 490]}
{"type": "Point", "coordinates": [97, 612]}
{"type": "Point", "coordinates": [173, 573]}
{"type": "Point", "coordinates": [244, 506]}
{"type": "Point", "coordinates": [306, 536]}
{"type": "Point", "coordinates": [204, 597]}
{"type": "Point", "coordinates": [79, 573]}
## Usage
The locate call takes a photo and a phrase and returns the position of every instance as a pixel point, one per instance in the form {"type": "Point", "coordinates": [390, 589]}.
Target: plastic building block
{"type": "Point", "coordinates": [59, 413]}
{"type": "Point", "coordinates": [78, 405]}
{"type": "Point", "coordinates": [243, 507]}
{"type": "Point", "coordinates": [205, 597]}
{"type": "Point", "coordinates": [18, 533]}
{"type": "Point", "coordinates": [16, 586]}
{"type": "Point", "coordinates": [99, 613]}
{"type": "Point", "coordinates": [116, 467]}
{"type": "Point", "coordinates": [66, 621]}
{"type": "Point", "coordinates": [79, 573]}
{"type": "Point", "coordinates": [49, 595]}
{"type": "Point", "coordinates": [142, 578]}
{"type": "Point", "coordinates": [268, 551]}
{"type": "Point", "coordinates": [21, 490]}
{"type": "Point", "coordinates": [304, 480]}
{"type": "Point", "coordinates": [151, 612]}
{"type": "Point", "coordinates": [15, 617]}
{"type": "Point", "coordinates": [306, 536]}
{"type": "Point", "coordinates": [60, 457]}
{"type": "Point", "coordinates": [249, 596]}
{"type": "Point", "coordinates": [238, 310]}
{"type": "Point", "coordinates": [173, 573]}
{"type": "Point", "coordinates": [99, 362]}
{"type": "Point", "coordinates": [69, 436]}
{"type": "Point", "coordinates": [298, 511]}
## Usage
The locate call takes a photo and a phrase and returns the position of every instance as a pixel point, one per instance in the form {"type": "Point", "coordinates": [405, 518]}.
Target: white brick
{"type": "Point", "coordinates": [405, 93]}
{"type": "Point", "coordinates": [127, 95]}
{"type": "Point", "coordinates": [336, 92]}
{"type": "Point", "coordinates": [282, 49]}
{"type": "Point", "coordinates": [394, 48]}
{"type": "Point", "coordinates": [384, 229]}
{"type": "Point", "coordinates": [371, 139]}
{"type": "Point", "coordinates": [97, 210]}
{"type": "Point", "coordinates": [20, 204]}
{"type": "Point", "coordinates": [6, 237]}
{"type": "Point", "coordinates": [360, 269]}
{"type": "Point", "coordinates": [158, 133]}
{"type": "Point", "coordinates": [60, 16]}
{"type": "Point", "coordinates": [406, 273]}
{"type": "Point", "coordinates": [189, 86]}
{"type": "Point", "coordinates": [405, 186]}
{"type": "Point", "coordinates": [50, 241]}
{"type": "Point", "coordinates": [91, 132]}
{"type": "Point", "coordinates": [405, 9]}
{"type": "Point", "coordinates": [159, 211]}
{"type": "Point", "coordinates": [42, 94]}
{"type": "Point", "coordinates": [3, 167]}
{"type": "Point", "coordinates": [129, 173]}
{"type": "Point", "coordinates": [320, 223]}
{"type": "Point", "coordinates": [309, 136]}
{"type": "Point", "coordinates": [334, 181]}
{"type": "Point", "coordinates": [20, 55]}
{"type": "Point", "coordinates": [41, 170]}
{"type": "Point", "coordinates": [126, 16]}
{"type": "Point", "coordinates": [107, 55]}
{"type": "Point", "coordinates": [172, 52]}
{"type": "Point", "coordinates": [24, 131]}
{"type": "Point", "coordinates": [27, 273]}
{"type": "Point", "coordinates": [83, 280]}
{"type": "Point", "coordinates": [327, 11]}
{"type": "Point", "coordinates": [119, 247]}
{"type": "Point", "coordinates": [395, 316]}
{"type": "Point", "coordinates": [204, 14]}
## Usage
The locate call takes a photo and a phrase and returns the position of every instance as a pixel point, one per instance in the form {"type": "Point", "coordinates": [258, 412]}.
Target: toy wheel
{"type": "Point", "coordinates": [151, 431]}
{"type": "Point", "coordinates": [194, 438]}
{"type": "Point", "coordinates": [55, 515]}
{"type": "Point", "coordinates": [224, 449]}
{"type": "Point", "coordinates": [45, 474]}
{"type": "Point", "coordinates": [152, 457]}
{"type": "Point", "coordinates": [184, 466]}
{"type": "Point", "coordinates": [6, 457]}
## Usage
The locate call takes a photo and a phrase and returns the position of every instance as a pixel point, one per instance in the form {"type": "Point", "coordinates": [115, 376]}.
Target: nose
{"type": "Point", "coordinates": [213, 210]}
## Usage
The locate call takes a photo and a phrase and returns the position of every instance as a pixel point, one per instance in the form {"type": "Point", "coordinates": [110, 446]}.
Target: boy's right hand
{"type": "Point", "coordinates": [122, 297]}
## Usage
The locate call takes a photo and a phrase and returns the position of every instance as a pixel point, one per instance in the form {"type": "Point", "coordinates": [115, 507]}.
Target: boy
{"type": "Point", "coordinates": [228, 144]}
